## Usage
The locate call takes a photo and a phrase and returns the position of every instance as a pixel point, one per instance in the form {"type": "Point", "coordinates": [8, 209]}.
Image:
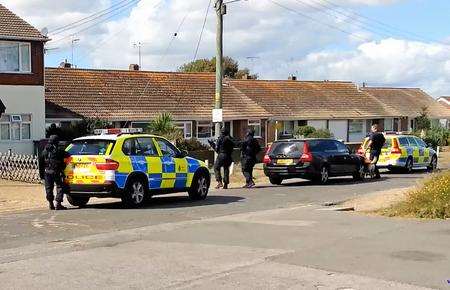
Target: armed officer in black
{"type": "Point", "coordinates": [51, 170]}
{"type": "Point", "coordinates": [224, 149]}
{"type": "Point", "coordinates": [249, 149]}
{"type": "Point", "coordinates": [376, 143]}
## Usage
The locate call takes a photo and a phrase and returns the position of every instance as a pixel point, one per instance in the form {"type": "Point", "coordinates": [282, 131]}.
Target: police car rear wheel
{"type": "Point", "coordinates": [135, 193]}
{"type": "Point", "coordinates": [409, 165]}
{"type": "Point", "coordinates": [200, 187]}
{"type": "Point", "coordinates": [80, 201]}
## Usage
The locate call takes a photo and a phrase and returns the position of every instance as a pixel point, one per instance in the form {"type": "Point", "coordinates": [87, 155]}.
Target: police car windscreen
{"type": "Point", "coordinates": [90, 147]}
{"type": "Point", "coordinates": [286, 149]}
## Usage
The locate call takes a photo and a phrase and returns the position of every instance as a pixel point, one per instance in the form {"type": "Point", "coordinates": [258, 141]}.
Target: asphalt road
{"type": "Point", "coordinates": [267, 237]}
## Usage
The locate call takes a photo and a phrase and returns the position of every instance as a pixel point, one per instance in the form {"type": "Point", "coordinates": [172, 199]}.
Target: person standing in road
{"type": "Point", "coordinates": [249, 149]}
{"type": "Point", "coordinates": [224, 149]}
{"type": "Point", "coordinates": [376, 142]}
{"type": "Point", "coordinates": [51, 170]}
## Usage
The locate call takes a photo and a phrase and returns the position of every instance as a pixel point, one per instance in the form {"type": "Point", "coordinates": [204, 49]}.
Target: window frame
{"type": "Point", "coordinates": [255, 123]}
{"type": "Point", "coordinates": [177, 151]}
{"type": "Point", "coordinates": [138, 145]}
{"type": "Point", "coordinates": [183, 125]}
{"type": "Point", "coordinates": [199, 124]}
{"type": "Point", "coordinates": [20, 123]}
{"type": "Point", "coordinates": [19, 44]}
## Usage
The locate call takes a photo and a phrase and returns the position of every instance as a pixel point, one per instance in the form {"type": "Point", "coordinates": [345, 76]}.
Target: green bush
{"type": "Point", "coordinates": [163, 125]}
{"type": "Point", "coordinates": [431, 200]}
{"type": "Point", "coordinates": [311, 132]}
{"type": "Point", "coordinates": [436, 136]}
{"type": "Point", "coordinates": [78, 129]}
{"type": "Point", "coordinates": [191, 145]}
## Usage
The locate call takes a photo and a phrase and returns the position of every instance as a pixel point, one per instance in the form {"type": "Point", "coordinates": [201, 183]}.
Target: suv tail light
{"type": "Point", "coordinates": [68, 160]}
{"type": "Point", "coordinates": [108, 165]}
{"type": "Point", "coordinates": [395, 148]}
{"type": "Point", "coordinates": [267, 159]}
{"type": "Point", "coordinates": [307, 155]}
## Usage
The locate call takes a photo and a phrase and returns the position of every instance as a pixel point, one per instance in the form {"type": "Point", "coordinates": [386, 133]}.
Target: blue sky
{"type": "Point", "coordinates": [283, 42]}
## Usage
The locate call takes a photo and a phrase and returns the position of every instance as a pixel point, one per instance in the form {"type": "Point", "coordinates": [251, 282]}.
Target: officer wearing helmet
{"type": "Point", "coordinates": [224, 149]}
{"type": "Point", "coordinates": [249, 149]}
{"type": "Point", "coordinates": [51, 170]}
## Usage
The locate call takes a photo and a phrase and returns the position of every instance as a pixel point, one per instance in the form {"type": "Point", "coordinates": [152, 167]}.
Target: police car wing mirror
{"type": "Point", "coordinates": [183, 153]}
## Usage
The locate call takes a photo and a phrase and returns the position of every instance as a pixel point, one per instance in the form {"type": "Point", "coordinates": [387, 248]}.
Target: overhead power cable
{"type": "Point", "coordinates": [88, 18]}
{"type": "Point", "coordinates": [129, 5]}
{"type": "Point", "coordinates": [203, 29]}
{"type": "Point", "coordinates": [318, 21]}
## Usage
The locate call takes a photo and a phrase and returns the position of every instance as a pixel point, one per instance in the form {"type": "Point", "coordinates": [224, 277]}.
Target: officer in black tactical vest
{"type": "Point", "coordinates": [51, 170]}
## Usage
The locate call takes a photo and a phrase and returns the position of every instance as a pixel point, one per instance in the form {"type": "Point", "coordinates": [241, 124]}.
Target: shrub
{"type": "Point", "coordinates": [311, 132]}
{"type": "Point", "coordinates": [164, 126]}
{"type": "Point", "coordinates": [436, 136]}
{"type": "Point", "coordinates": [79, 129]}
{"type": "Point", "coordinates": [431, 200]}
{"type": "Point", "coordinates": [191, 145]}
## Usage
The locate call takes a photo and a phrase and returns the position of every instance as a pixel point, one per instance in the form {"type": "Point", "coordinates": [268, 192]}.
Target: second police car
{"type": "Point", "coordinates": [405, 152]}
{"type": "Point", "coordinates": [132, 167]}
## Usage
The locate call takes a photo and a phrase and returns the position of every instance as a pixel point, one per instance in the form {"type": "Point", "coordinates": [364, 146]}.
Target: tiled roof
{"type": "Point", "coordinates": [14, 27]}
{"type": "Point", "coordinates": [118, 95]}
{"type": "Point", "coordinates": [298, 100]}
{"type": "Point", "coordinates": [409, 101]}
{"type": "Point", "coordinates": [445, 101]}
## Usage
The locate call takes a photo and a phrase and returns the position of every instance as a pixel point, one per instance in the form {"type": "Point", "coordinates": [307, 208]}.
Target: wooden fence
{"type": "Point", "coordinates": [17, 167]}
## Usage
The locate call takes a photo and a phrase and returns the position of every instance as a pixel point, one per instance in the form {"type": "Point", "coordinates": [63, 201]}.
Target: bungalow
{"type": "Point", "coordinates": [131, 98]}
{"type": "Point", "coordinates": [21, 83]}
{"type": "Point", "coordinates": [410, 103]}
{"type": "Point", "coordinates": [335, 105]}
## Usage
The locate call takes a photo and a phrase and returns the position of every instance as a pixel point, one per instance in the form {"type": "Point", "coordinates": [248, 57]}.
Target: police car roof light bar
{"type": "Point", "coordinates": [118, 131]}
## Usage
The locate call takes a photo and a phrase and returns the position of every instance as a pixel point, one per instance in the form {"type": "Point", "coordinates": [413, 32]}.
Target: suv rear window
{"type": "Point", "coordinates": [403, 141]}
{"type": "Point", "coordinates": [287, 149]}
{"type": "Point", "coordinates": [90, 147]}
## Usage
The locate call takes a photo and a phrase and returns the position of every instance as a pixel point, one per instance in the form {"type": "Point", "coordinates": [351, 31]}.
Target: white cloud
{"type": "Point", "coordinates": [387, 62]}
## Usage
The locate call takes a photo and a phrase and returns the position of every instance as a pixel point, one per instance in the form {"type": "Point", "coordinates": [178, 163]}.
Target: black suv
{"type": "Point", "coordinates": [313, 159]}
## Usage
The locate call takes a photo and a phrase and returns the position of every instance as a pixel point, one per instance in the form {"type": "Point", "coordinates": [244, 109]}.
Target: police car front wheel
{"type": "Point", "coordinates": [135, 193]}
{"type": "Point", "coordinates": [80, 201]}
{"type": "Point", "coordinates": [200, 186]}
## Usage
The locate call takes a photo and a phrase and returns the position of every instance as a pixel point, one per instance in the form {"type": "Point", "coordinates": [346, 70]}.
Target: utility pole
{"type": "Point", "coordinates": [217, 112]}
{"type": "Point", "coordinates": [138, 45]}
{"type": "Point", "coordinates": [74, 40]}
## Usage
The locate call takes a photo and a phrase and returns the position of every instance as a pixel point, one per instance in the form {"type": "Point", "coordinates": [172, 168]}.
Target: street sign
{"type": "Point", "coordinates": [217, 115]}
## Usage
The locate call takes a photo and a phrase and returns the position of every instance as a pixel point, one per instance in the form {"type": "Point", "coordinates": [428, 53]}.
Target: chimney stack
{"type": "Point", "coordinates": [292, 78]}
{"type": "Point", "coordinates": [134, 67]}
{"type": "Point", "coordinates": [65, 64]}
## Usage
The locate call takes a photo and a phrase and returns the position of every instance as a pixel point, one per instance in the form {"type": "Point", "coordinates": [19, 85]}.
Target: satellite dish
{"type": "Point", "coordinates": [44, 31]}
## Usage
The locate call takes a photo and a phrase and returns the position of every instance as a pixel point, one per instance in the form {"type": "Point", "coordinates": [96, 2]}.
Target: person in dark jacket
{"type": "Point", "coordinates": [376, 143]}
{"type": "Point", "coordinates": [51, 170]}
{"type": "Point", "coordinates": [249, 149]}
{"type": "Point", "coordinates": [224, 148]}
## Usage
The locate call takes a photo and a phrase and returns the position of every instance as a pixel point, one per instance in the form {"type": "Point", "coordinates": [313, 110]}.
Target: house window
{"type": "Point", "coordinates": [256, 126]}
{"type": "Point", "coordinates": [288, 127]}
{"type": "Point", "coordinates": [186, 128]}
{"type": "Point", "coordinates": [140, 125]}
{"type": "Point", "coordinates": [15, 127]}
{"type": "Point", "coordinates": [15, 57]}
{"type": "Point", "coordinates": [355, 126]}
{"type": "Point", "coordinates": [204, 130]}
{"type": "Point", "coordinates": [388, 124]}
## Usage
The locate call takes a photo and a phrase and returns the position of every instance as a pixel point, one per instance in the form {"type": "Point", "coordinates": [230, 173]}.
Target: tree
{"type": "Point", "coordinates": [164, 126]}
{"type": "Point", "coordinates": [311, 132]}
{"type": "Point", "coordinates": [423, 122]}
{"type": "Point", "coordinates": [231, 67]}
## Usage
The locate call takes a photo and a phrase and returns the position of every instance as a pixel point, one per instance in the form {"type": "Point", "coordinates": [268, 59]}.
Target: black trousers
{"type": "Point", "coordinates": [247, 164]}
{"type": "Point", "coordinates": [50, 181]}
{"type": "Point", "coordinates": [374, 157]}
{"type": "Point", "coordinates": [223, 160]}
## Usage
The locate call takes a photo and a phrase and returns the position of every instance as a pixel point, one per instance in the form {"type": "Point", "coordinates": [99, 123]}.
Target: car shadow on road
{"type": "Point", "coordinates": [159, 202]}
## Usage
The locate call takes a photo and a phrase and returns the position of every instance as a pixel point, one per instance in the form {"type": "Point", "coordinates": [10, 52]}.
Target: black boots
{"type": "Point", "coordinates": [59, 206]}
{"type": "Point", "coordinates": [51, 206]}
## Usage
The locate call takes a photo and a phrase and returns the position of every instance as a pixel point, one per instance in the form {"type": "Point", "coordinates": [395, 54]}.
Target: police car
{"type": "Point", "coordinates": [132, 166]}
{"type": "Point", "coordinates": [404, 151]}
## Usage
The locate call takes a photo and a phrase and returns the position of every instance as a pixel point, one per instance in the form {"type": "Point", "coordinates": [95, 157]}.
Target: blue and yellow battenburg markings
{"type": "Point", "coordinates": [162, 172]}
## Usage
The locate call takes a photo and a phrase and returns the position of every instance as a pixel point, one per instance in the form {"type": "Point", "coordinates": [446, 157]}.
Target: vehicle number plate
{"type": "Point", "coordinates": [285, 161]}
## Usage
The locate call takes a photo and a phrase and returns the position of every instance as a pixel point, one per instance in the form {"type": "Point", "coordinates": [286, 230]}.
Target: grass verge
{"type": "Point", "coordinates": [430, 200]}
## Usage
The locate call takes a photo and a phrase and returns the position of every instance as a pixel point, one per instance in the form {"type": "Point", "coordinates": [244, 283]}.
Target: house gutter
{"type": "Point", "coordinates": [16, 38]}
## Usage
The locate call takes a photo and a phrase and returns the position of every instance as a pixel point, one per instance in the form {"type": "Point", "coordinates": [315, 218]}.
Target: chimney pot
{"type": "Point", "coordinates": [65, 64]}
{"type": "Point", "coordinates": [292, 78]}
{"type": "Point", "coordinates": [134, 67]}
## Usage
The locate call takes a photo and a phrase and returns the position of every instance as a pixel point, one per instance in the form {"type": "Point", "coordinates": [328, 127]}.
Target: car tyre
{"type": "Point", "coordinates": [324, 175]}
{"type": "Point", "coordinates": [275, 180]}
{"type": "Point", "coordinates": [360, 173]}
{"type": "Point", "coordinates": [79, 201]}
{"type": "Point", "coordinates": [409, 165]}
{"type": "Point", "coordinates": [199, 187]}
{"type": "Point", "coordinates": [433, 164]}
{"type": "Point", "coordinates": [135, 193]}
